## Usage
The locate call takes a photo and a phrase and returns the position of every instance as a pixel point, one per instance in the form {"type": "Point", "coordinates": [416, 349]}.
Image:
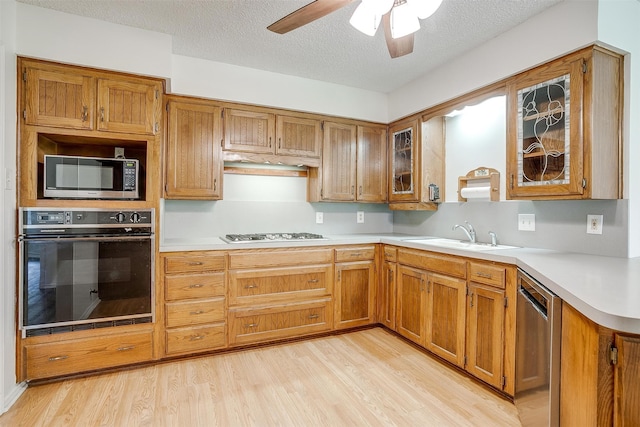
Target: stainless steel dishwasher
{"type": "Point", "coordinates": [538, 337]}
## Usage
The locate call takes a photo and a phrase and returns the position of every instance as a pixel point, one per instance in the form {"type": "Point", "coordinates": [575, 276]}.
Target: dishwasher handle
{"type": "Point", "coordinates": [533, 301]}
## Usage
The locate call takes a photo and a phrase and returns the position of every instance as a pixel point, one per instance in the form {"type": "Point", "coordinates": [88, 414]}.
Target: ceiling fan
{"type": "Point", "coordinates": [399, 18]}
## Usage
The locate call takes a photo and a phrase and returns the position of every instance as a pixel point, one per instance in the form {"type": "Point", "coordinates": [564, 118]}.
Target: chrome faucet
{"type": "Point", "coordinates": [468, 230]}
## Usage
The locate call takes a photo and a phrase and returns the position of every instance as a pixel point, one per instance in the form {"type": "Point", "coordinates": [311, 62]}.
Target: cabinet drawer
{"type": "Point", "coordinates": [269, 323]}
{"type": "Point", "coordinates": [198, 338]}
{"type": "Point", "coordinates": [488, 274]}
{"type": "Point", "coordinates": [450, 266]}
{"type": "Point", "coordinates": [195, 312]}
{"type": "Point", "coordinates": [277, 258]}
{"type": "Point", "coordinates": [74, 356]}
{"type": "Point", "coordinates": [390, 254]}
{"type": "Point", "coordinates": [190, 286]}
{"type": "Point", "coordinates": [355, 254]}
{"type": "Point", "coordinates": [267, 285]}
{"type": "Point", "coordinates": [193, 263]}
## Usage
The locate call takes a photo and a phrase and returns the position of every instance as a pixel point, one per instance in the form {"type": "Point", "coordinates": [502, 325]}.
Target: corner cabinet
{"type": "Point", "coordinates": [416, 163]}
{"type": "Point", "coordinates": [194, 166]}
{"type": "Point", "coordinates": [563, 128]}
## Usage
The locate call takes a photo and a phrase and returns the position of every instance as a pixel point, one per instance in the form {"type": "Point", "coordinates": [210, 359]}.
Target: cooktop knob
{"type": "Point", "coordinates": [120, 217]}
{"type": "Point", "coordinates": [135, 217]}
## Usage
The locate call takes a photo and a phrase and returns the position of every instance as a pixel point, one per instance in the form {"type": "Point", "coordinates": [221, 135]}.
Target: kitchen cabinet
{"type": "Point", "coordinates": [563, 131]}
{"type": "Point", "coordinates": [626, 411]}
{"type": "Point", "coordinates": [76, 98]}
{"type": "Point", "coordinates": [54, 355]}
{"type": "Point", "coordinates": [194, 302]}
{"type": "Point", "coordinates": [485, 327]}
{"type": "Point", "coordinates": [416, 163]}
{"type": "Point", "coordinates": [193, 161]}
{"type": "Point", "coordinates": [353, 163]}
{"type": "Point", "coordinates": [411, 303]}
{"type": "Point", "coordinates": [445, 322]}
{"type": "Point", "coordinates": [387, 291]}
{"type": "Point", "coordinates": [355, 274]}
{"type": "Point", "coordinates": [279, 293]}
{"type": "Point", "coordinates": [265, 132]}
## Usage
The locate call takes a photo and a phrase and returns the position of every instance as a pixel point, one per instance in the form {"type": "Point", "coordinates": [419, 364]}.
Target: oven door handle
{"type": "Point", "coordinates": [530, 299]}
{"type": "Point", "coordinates": [82, 239]}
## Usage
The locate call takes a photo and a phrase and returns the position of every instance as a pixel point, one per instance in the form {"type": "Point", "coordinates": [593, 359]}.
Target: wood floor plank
{"type": "Point", "coordinates": [364, 378]}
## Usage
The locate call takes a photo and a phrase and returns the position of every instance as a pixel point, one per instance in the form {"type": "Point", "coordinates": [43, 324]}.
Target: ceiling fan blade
{"type": "Point", "coordinates": [309, 13]}
{"type": "Point", "coordinates": [397, 47]}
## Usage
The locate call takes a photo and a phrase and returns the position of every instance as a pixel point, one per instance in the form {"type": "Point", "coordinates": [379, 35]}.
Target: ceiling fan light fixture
{"type": "Point", "coordinates": [365, 20]}
{"type": "Point", "coordinates": [379, 7]}
{"type": "Point", "coordinates": [404, 20]}
{"type": "Point", "coordinates": [424, 8]}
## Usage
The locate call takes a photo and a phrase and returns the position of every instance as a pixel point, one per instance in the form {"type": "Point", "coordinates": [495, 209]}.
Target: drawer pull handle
{"type": "Point", "coordinates": [313, 281]}
{"type": "Point", "coordinates": [485, 275]}
{"type": "Point", "coordinates": [131, 347]}
{"type": "Point", "coordinates": [195, 263]}
{"type": "Point", "coordinates": [56, 358]}
{"type": "Point", "coordinates": [250, 325]}
{"type": "Point", "coordinates": [314, 316]}
{"type": "Point", "coordinates": [196, 285]}
{"type": "Point", "coordinates": [356, 254]}
{"type": "Point", "coordinates": [252, 286]}
{"type": "Point", "coordinates": [196, 337]}
{"type": "Point", "coordinates": [194, 313]}
{"type": "Point", "coordinates": [471, 300]}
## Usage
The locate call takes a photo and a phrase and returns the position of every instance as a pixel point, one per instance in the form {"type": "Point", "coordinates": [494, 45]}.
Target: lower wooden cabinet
{"type": "Point", "coordinates": [354, 287]}
{"type": "Point", "coordinates": [411, 304]}
{"type": "Point", "coordinates": [257, 324]}
{"type": "Point", "coordinates": [626, 410]}
{"type": "Point", "coordinates": [387, 295]}
{"type": "Point", "coordinates": [72, 356]}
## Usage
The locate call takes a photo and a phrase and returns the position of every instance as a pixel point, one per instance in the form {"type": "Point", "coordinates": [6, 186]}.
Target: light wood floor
{"type": "Point", "coordinates": [365, 378]}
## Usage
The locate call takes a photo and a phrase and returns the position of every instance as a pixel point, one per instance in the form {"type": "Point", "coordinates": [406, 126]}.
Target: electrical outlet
{"type": "Point", "coordinates": [526, 222]}
{"type": "Point", "coordinates": [360, 217]}
{"type": "Point", "coordinates": [319, 217]}
{"type": "Point", "coordinates": [594, 224]}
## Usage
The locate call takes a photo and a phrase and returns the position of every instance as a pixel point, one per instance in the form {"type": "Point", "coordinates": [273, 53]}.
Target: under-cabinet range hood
{"type": "Point", "coordinates": [271, 237]}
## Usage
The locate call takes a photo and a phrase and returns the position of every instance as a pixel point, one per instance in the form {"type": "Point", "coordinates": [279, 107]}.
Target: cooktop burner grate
{"type": "Point", "coordinates": [270, 237]}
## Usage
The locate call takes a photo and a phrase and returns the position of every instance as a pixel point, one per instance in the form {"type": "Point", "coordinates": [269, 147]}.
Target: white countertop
{"type": "Point", "coordinates": [604, 289]}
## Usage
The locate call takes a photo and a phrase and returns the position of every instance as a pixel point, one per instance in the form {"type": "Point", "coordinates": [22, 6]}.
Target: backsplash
{"type": "Point", "coordinates": [261, 204]}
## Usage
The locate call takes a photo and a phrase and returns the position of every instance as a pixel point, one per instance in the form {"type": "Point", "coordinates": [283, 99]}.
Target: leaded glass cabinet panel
{"type": "Point", "coordinates": [404, 182]}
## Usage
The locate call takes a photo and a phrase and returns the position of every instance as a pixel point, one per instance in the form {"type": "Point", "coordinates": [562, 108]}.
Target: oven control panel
{"type": "Point", "coordinates": [84, 217]}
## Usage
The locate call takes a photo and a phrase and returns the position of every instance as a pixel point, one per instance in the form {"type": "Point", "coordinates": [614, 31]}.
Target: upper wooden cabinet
{"type": "Point", "coordinates": [76, 98]}
{"type": "Point", "coordinates": [353, 164]}
{"type": "Point", "coordinates": [263, 132]}
{"type": "Point", "coordinates": [416, 163]}
{"type": "Point", "coordinates": [194, 166]}
{"type": "Point", "coordinates": [563, 131]}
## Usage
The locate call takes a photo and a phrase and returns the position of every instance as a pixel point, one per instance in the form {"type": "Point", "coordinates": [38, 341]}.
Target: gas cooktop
{"type": "Point", "coordinates": [270, 237]}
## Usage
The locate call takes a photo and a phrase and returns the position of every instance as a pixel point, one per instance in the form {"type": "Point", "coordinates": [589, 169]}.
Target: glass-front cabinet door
{"type": "Point", "coordinates": [404, 180]}
{"type": "Point", "coordinates": [546, 149]}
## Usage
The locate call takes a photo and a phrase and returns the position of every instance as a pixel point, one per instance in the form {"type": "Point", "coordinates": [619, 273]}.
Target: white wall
{"type": "Point", "coordinates": [618, 25]}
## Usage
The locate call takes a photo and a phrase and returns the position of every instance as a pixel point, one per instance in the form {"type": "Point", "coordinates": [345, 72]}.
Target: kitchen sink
{"type": "Point", "coordinates": [459, 244]}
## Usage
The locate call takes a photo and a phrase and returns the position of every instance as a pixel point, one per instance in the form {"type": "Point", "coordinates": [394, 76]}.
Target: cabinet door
{"type": "Point", "coordinates": [128, 106]}
{"type": "Point", "coordinates": [446, 315]}
{"type": "Point", "coordinates": [411, 303]}
{"type": "Point", "coordinates": [545, 132]}
{"type": "Point", "coordinates": [194, 152]}
{"type": "Point", "coordinates": [59, 99]}
{"type": "Point", "coordinates": [627, 389]}
{"type": "Point", "coordinates": [371, 164]}
{"type": "Point", "coordinates": [404, 154]}
{"type": "Point", "coordinates": [298, 136]}
{"type": "Point", "coordinates": [354, 294]}
{"type": "Point", "coordinates": [387, 295]}
{"type": "Point", "coordinates": [485, 333]}
{"type": "Point", "coordinates": [338, 162]}
{"type": "Point", "coordinates": [249, 131]}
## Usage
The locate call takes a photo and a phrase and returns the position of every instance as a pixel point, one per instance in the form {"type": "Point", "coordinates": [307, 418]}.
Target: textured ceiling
{"type": "Point", "coordinates": [329, 49]}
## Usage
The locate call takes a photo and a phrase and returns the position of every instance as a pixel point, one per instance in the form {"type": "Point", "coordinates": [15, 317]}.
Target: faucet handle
{"type": "Point", "coordinates": [471, 229]}
{"type": "Point", "coordinates": [494, 238]}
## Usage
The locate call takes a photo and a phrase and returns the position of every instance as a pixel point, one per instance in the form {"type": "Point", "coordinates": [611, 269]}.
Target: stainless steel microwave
{"type": "Point", "coordinates": [75, 177]}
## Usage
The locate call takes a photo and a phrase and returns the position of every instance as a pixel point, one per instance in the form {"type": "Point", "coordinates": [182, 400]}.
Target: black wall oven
{"type": "Point", "coordinates": [85, 268]}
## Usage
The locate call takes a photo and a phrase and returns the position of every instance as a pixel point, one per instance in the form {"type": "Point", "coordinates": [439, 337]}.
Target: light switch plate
{"type": "Point", "coordinates": [360, 217]}
{"type": "Point", "coordinates": [319, 217]}
{"type": "Point", "coordinates": [526, 222]}
{"type": "Point", "coordinates": [594, 224]}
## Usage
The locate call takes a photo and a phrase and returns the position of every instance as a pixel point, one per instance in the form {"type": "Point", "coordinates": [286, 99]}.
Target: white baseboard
{"type": "Point", "coordinates": [13, 395]}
